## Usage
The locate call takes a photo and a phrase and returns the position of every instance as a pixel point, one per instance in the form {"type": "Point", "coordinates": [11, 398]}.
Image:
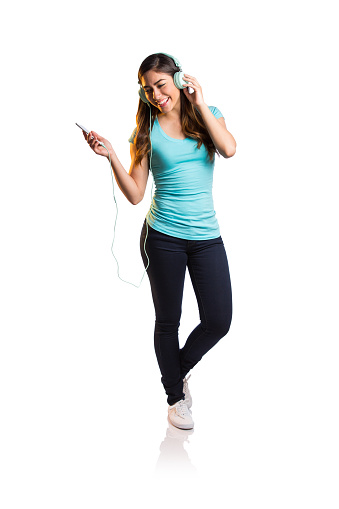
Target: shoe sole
{"type": "Point", "coordinates": [183, 426]}
{"type": "Point", "coordinates": [188, 403]}
{"type": "Point", "coordinates": [189, 400]}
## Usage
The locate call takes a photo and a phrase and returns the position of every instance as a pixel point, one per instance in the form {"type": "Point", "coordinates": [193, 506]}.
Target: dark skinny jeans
{"type": "Point", "coordinates": [208, 268]}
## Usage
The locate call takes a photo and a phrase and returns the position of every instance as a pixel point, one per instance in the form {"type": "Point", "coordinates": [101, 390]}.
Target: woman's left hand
{"type": "Point", "coordinates": [196, 98]}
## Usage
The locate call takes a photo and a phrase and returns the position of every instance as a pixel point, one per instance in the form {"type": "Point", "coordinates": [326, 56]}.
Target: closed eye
{"type": "Point", "coordinates": [148, 91]}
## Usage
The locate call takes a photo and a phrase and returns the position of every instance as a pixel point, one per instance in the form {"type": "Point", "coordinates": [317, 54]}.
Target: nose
{"type": "Point", "coordinates": [156, 96]}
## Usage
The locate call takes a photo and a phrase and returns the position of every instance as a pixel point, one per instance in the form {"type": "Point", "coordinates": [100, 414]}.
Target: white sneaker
{"type": "Point", "coordinates": [188, 397]}
{"type": "Point", "coordinates": [180, 416]}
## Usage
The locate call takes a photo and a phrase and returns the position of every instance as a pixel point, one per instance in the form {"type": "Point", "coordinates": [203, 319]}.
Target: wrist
{"type": "Point", "coordinates": [201, 107]}
{"type": "Point", "coordinates": [110, 153]}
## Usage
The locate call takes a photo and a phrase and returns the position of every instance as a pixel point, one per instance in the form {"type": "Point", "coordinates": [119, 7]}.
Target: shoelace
{"type": "Point", "coordinates": [181, 409]}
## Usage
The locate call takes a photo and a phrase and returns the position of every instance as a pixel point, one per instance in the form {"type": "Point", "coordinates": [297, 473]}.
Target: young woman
{"type": "Point", "coordinates": [179, 135]}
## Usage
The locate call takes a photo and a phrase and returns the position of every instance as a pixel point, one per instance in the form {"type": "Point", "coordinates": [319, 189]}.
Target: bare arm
{"type": "Point", "coordinates": [132, 184]}
{"type": "Point", "coordinates": [221, 137]}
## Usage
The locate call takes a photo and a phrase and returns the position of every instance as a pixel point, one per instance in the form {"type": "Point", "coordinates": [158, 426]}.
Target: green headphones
{"type": "Point", "coordinates": [178, 79]}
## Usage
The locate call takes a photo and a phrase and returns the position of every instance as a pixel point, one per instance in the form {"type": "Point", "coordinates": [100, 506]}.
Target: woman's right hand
{"type": "Point", "coordinates": [93, 139]}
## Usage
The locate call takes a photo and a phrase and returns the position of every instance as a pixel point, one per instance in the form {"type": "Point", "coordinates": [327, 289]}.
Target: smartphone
{"type": "Point", "coordinates": [83, 128]}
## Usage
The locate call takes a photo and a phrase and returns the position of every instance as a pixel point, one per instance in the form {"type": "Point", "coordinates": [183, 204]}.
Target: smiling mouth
{"type": "Point", "coordinates": [163, 103]}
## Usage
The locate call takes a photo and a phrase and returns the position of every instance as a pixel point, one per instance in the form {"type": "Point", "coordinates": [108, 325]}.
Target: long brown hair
{"type": "Point", "coordinates": [191, 121]}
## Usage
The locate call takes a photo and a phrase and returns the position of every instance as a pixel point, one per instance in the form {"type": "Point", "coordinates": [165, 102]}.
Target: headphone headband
{"type": "Point", "coordinates": [176, 61]}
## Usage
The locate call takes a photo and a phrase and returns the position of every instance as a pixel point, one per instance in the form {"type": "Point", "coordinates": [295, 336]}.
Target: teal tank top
{"type": "Point", "coordinates": [182, 205]}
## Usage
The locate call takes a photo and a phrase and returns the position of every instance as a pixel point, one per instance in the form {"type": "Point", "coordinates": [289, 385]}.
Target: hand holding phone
{"type": "Point", "coordinates": [83, 128]}
{"type": "Point", "coordinates": [98, 144]}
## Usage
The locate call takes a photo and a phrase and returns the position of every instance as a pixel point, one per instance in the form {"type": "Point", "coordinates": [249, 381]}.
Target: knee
{"type": "Point", "coordinates": [220, 326]}
{"type": "Point", "coordinates": [168, 326]}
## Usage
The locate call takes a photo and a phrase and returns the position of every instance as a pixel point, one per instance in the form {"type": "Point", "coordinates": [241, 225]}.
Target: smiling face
{"type": "Point", "coordinates": [161, 91]}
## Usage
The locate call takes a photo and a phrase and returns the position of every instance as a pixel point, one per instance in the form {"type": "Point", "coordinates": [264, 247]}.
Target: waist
{"type": "Point", "coordinates": [189, 224]}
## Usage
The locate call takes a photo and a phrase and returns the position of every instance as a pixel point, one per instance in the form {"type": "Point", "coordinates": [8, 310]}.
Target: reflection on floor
{"type": "Point", "coordinates": [173, 456]}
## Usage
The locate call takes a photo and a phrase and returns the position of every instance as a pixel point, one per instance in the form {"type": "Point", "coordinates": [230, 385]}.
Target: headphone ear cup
{"type": "Point", "coordinates": [143, 97]}
{"type": "Point", "coordinates": [178, 79]}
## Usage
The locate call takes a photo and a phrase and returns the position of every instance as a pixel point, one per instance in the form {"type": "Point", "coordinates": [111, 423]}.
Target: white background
{"type": "Point", "coordinates": [83, 411]}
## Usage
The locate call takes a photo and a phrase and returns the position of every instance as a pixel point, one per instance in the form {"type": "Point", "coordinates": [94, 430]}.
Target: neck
{"type": "Point", "coordinates": [173, 115]}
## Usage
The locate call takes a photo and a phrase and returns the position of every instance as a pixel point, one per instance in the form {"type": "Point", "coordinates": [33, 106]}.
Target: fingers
{"type": "Point", "coordinates": [91, 139]}
{"type": "Point", "coordinates": [91, 136]}
{"type": "Point", "coordinates": [192, 81]}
